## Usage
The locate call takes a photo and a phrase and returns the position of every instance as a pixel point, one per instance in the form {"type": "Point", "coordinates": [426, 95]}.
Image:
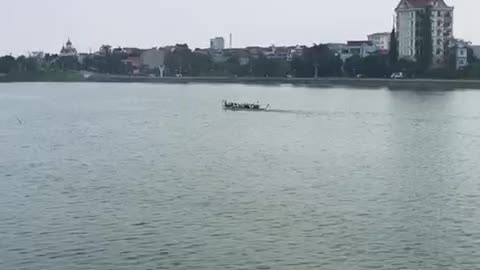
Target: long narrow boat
{"type": "Point", "coordinates": [244, 106]}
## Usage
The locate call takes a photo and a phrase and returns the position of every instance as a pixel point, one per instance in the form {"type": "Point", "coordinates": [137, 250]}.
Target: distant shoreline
{"type": "Point", "coordinates": [411, 84]}
{"type": "Point", "coordinates": [325, 82]}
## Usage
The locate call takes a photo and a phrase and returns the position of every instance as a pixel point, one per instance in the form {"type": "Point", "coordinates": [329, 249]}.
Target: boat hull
{"type": "Point", "coordinates": [244, 109]}
{"type": "Point", "coordinates": [243, 106]}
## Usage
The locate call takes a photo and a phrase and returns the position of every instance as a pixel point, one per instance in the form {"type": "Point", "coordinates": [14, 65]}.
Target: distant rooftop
{"type": "Point", "coordinates": [422, 3]}
{"type": "Point", "coordinates": [380, 34]}
{"type": "Point", "coordinates": [359, 42]}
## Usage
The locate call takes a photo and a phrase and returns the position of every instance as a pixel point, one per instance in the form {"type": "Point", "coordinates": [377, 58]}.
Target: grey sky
{"type": "Point", "coordinates": [30, 25]}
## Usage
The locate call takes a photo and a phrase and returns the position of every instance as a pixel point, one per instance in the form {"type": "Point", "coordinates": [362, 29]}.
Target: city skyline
{"type": "Point", "coordinates": [92, 23]}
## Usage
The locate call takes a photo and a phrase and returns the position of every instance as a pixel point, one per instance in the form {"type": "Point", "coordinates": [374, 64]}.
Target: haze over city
{"type": "Point", "coordinates": [45, 25]}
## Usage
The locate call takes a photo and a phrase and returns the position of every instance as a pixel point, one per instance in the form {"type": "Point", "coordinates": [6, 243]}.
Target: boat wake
{"type": "Point", "coordinates": [300, 112]}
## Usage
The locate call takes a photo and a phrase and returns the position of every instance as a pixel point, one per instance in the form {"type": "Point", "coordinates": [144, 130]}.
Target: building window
{"type": "Point", "coordinates": [439, 52]}
{"type": "Point", "coordinates": [462, 52]}
{"type": "Point", "coordinates": [439, 13]}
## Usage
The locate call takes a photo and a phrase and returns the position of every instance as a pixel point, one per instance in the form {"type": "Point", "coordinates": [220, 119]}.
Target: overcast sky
{"type": "Point", "coordinates": [32, 25]}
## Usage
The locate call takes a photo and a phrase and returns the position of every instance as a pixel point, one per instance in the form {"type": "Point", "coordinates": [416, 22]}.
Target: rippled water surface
{"type": "Point", "coordinates": [139, 176]}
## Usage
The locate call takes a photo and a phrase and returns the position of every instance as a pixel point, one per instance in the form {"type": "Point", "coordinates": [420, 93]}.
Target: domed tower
{"type": "Point", "coordinates": [68, 49]}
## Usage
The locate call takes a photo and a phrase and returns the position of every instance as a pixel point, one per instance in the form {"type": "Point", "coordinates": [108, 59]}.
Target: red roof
{"type": "Point", "coordinates": [420, 3]}
{"type": "Point", "coordinates": [423, 3]}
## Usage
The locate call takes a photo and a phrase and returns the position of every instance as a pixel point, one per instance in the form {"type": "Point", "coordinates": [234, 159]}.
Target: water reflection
{"type": "Point", "coordinates": [138, 176]}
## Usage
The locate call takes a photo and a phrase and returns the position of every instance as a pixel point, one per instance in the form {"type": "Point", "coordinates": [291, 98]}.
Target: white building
{"type": "Point", "coordinates": [153, 59]}
{"type": "Point", "coordinates": [361, 48]}
{"type": "Point", "coordinates": [380, 40]}
{"type": "Point", "coordinates": [217, 43]}
{"type": "Point", "coordinates": [409, 14]}
{"type": "Point", "coordinates": [460, 50]}
{"type": "Point", "coordinates": [68, 49]}
{"type": "Point", "coordinates": [297, 51]}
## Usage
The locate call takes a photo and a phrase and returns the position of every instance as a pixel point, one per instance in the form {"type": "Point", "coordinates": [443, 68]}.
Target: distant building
{"type": "Point", "coordinates": [132, 51]}
{"type": "Point", "coordinates": [459, 49]}
{"type": "Point", "coordinates": [361, 48]}
{"type": "Point", "coordinates": [380, 40]}
{"type": "Point", "coordinates": [296, 51]}
{"type": "Point", "coordinates": [37, 55]}
{"type": "Point", "coordinates": [340, 49]}
{"type": "Point", "coordinates": [409, 21]}
{"type": "Point", "coordinates": [134, 62]}
{"type": "Point", "coordinates": [242, 55]}
{"type": "Point", "coordinates": [255, 51]}
{"type": "Point", "coordinates": [273, 52]}
{"type": "Point", "coordinates": [154, 59]}
{"type": "Point", "coordinates": [201, 51]}
{"type": "Point", "coordinates": [68, 49]}
{"type": "Point", "coordinates": [217, 43]}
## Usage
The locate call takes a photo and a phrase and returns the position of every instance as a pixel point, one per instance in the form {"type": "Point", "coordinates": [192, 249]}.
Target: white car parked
{"type": "Point", "coordinates": [397, 75]}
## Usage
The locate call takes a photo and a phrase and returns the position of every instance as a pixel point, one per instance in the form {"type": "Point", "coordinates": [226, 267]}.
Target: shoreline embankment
{"type": "Point", "coordinates": [323, 82]}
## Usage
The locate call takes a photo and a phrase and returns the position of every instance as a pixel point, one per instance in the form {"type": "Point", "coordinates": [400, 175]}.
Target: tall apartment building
{"type": "Point", "coordinates": [409, 23]}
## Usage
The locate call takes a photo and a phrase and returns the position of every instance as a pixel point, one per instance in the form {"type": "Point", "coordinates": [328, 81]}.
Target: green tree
{"type": "Point", "coordinates": [265, 67]}
{"type": "Point", "coordinates": [471, 58]}
{"type": "Point", "coordinates": [21, 63]}
{"type": "Point", "coordinates": [7, 64]}
{"type": "Point", "coordinates": [424, 41]}
{"type": "Point", "coordinates": [110, 63]}
{"type": "Point", "coordinates": [353, 66]}
{"type": "Point", "coordinates": [232, 67]}
{"type": "Point", "coordinates": [68, 63]}
{"type": "Point", "coordinates": [393, 51]}
{"type": "Point", "coordinates": [299, 67]}
{"type": "Point", "coordinates": [200, 64]}
{"type": "Point", "coordinates": [408, 67]}
{"type": "Point", "coordinates": [105, 49]}
{"type": "Point", "coordinates": [373, 66]}
{"type": "Point", "coordinates": [318, 60]}
{"type": "Point", "coordinates": [179, 60]}
{"type": "Point", "coordinates": [376, 66]}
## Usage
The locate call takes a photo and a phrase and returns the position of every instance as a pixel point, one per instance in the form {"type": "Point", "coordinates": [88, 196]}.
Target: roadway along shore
{"type": "Point", "coordinates": [408, 84]}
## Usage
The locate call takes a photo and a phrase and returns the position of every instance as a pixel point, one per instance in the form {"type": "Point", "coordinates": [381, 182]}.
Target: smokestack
{"type": "Point", "coordinates": [231, 37]}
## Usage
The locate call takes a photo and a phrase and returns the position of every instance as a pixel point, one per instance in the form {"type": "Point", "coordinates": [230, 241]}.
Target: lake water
{"type": "Point", "coordinates": [145, 176]}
